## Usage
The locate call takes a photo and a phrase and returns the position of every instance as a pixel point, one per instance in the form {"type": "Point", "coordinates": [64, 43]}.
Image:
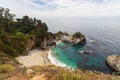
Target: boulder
{"type": "Point", "coordinates": [114, 62]}
{"type": "Point", "coordinates": [29, 71]}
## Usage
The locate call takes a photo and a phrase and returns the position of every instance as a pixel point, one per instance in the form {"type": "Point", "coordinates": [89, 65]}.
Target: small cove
{"type": "Point", "coordinates": [70, 56]}
{"type": "Point", "coordinates": [102, 39]}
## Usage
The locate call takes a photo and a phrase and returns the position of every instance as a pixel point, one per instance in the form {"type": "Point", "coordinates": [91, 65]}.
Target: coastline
{"type": "Point", "coordinates": [58, 42]}
{"type": "Point", "coordinates": [55, 61]}
{"type": "Point", "coordinates": [40, 57]}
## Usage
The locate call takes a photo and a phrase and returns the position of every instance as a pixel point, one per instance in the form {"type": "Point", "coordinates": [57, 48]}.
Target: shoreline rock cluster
{"type": "Point", "coordinates": [73, 39]}
{"type": "Point", "coordinates": [114, 62]}
{"type": "Point", "coordinates": [54, 38]}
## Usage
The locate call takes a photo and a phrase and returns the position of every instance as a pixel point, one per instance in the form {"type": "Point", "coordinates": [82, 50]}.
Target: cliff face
{"type": "Point", "coordinates": [31, 43]}
{"type": "Point", "coordinates": [43, 45]}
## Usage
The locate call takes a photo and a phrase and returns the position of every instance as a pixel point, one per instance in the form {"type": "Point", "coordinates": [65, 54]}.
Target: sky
{"type": "Point", "coordinates": [63, 8]}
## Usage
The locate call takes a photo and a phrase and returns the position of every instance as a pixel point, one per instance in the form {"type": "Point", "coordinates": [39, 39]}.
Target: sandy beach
{"type": "Point", "coordinates": [58, 42]}
{"type": "Point", "coordinates": [34, 58]}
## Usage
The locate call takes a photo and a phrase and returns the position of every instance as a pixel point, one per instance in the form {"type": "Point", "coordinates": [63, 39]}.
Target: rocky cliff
{"type": "Point", "coordinates": [73, 39]}
{"type": "Point", "coordinates": [51, 40]}
{"type": "Point", "coordinates": [31, 43]}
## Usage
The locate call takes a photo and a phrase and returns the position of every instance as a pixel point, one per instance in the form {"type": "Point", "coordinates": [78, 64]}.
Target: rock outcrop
{"type": "Point", "coordinates": [29, 71]}
{"type": "Point", "coordinates": [114, 62]}
{"type": "Point", "coordinates": [73, 39]}
{"type": "Point", "coordinates": [52, 39]}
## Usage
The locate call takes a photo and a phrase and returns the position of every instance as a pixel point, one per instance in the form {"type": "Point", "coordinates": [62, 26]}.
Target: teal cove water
{"type": "Point", "coordinates": [71, 56]}
{"type": "Point", "coordinates": [103, 39]}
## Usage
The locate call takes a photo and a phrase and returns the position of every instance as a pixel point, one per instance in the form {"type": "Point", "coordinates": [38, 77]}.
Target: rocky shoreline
{"type": "Point", "coordinates": [53, 39]}
{"type": "Point", "coordinates": [40, 57]}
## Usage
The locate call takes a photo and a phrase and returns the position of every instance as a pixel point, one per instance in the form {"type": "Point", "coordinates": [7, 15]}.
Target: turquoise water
{"type": "Point", "coordinates": [103, 39]}
{"type": "Point", "coordinates": [70, 56]}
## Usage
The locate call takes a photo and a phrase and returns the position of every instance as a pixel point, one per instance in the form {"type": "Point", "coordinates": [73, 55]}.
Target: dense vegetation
{"type": "Point", "coordinates": [14, 33]}
{"type": "Point", "coordinates": [78, 34]}
{"type": "Point", "coordinates": [14, 37]}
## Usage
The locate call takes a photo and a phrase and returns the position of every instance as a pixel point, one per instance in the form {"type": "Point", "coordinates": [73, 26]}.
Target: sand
{"type": "Point", "coordinates": [34, 58]}
{"type": "Point", "coordinates": [58, 42]}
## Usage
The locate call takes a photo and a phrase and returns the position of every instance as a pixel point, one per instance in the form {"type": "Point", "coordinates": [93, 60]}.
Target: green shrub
{"type": "Point", "coordinates": [5, 69]}
{"type": "Point", "coordinates": [70, 76]}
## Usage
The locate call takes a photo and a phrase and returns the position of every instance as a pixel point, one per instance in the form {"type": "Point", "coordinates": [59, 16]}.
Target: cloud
{"type": "Point", "coordinates": [63, 8]}
{"type": "Point", "coordinates": [44, 5]}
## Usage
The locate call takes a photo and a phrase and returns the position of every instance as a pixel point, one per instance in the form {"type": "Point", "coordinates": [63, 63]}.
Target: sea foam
{"type": "Point", "coordinates": [55, 61]}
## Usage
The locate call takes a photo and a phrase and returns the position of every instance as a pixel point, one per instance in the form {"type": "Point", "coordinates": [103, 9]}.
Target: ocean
{"type": "Point", "coordinates": [103, 39]}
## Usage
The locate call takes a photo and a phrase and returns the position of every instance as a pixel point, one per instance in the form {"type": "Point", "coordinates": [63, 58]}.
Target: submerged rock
{"type": "Point", "coordinates": [114, 62]}
{"type": "Point", "coordinates": [84, 52]}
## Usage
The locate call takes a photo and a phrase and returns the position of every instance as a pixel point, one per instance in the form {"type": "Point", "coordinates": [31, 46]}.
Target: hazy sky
{"type": "Point", "coordinates": [63, 8]}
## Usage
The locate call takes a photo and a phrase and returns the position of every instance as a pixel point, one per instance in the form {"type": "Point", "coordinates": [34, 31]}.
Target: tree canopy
{"type": "Point", "coordinates": [14, 33]}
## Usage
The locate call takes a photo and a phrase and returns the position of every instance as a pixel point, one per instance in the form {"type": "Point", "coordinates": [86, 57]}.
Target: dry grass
{"type": "Point", "coordinates": [5, 69]}
{"type": "Point", "coordinates": [57, 73]}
